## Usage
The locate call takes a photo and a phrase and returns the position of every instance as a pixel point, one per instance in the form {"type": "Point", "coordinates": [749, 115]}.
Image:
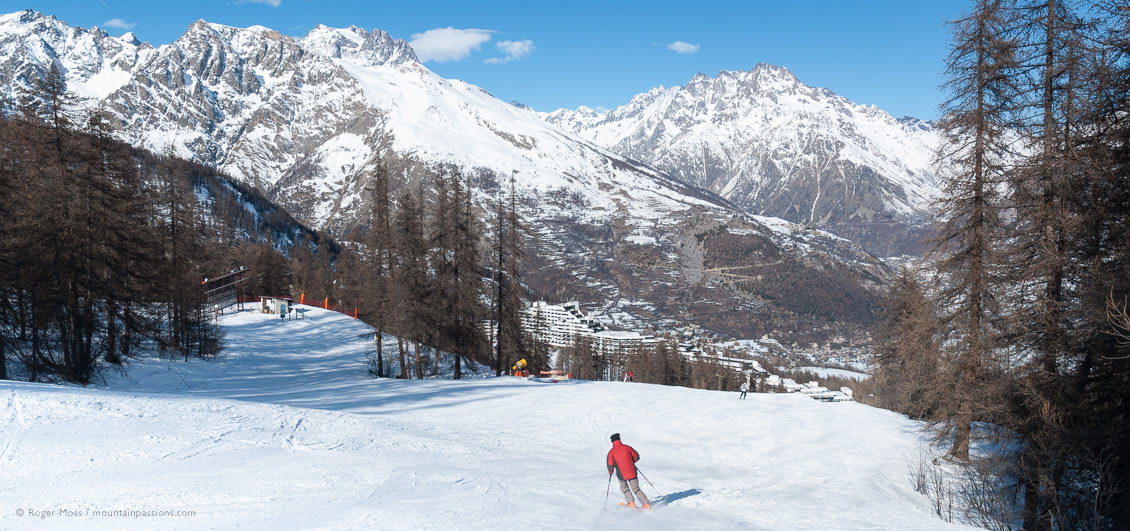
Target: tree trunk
{"type": "Point", "coordinates": [35, 353]}
{"type": "Point", "coordinates": [127, 334]}
{"type": "Point", "coordinates": [403, 359]}
{"type": "Point", "coordinates": [112, 334]}
{"type": "Point", "coordinates": [419, 366]}
{"type": "Point", "coordinates": [960, 449]}
{"type": "Point", "coordinates": [380, 355]}
{"type": "Point", "coordinates": [1031, 510]}
{"type": "Point", "coordinates": [22, 314]}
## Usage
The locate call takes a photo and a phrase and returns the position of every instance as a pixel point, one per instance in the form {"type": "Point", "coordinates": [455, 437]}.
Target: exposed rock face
{"type": "Point", "coordinates": [360, 47]}
{"type": "Point", "coordinates": [307, 121]}
{"type": "Point", "coordinates": [776, 147]}
{"type": "Point", "coordinates": [95, 63]}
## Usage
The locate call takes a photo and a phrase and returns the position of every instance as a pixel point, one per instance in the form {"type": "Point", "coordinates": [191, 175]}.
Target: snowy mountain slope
{"type": "Point", "coordinates": [263, 106]}
{"type": "Point", "coordinates": [777, 147]}
{"type": "Point", "coordinates": [95, 63]}
{"type": "Point", "coordinates": [301, 437]}
{"type": "Point", "coordinates": [308, 119]}
{"type": "Point", "coordinates": [254, 104]}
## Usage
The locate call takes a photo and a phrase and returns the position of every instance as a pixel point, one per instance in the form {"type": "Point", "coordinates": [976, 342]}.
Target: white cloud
{"type": "Point", "coordinates": [272, 3]}
{"type": "Point", "coordinates": [514, 50]}
{"type": "Point", "coordinates": [685, 48]}
{"type": "Point", "coordinates": [448, 44]}
{"type": "Point", "coordinates": [117, 23]}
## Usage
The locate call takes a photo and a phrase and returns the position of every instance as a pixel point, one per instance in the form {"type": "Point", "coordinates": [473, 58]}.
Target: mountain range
{"type": "Point", "coordinates": [777, 147]}
{"type": "Point", "coordinates": [654, 236]}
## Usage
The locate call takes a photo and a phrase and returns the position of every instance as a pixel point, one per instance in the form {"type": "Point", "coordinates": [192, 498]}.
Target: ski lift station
{"type": "Point", "coordinates": [276, 305]}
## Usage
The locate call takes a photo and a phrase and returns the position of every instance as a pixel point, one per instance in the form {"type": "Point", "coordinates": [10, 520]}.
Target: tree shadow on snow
{"type": "Point", "coordinates": [316, 363]}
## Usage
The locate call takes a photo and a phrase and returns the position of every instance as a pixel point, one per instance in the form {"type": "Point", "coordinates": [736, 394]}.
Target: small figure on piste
{"type": "Point", "coordinates": [744, 388]}
{"type": "Point", "coordinates": [622, 458]}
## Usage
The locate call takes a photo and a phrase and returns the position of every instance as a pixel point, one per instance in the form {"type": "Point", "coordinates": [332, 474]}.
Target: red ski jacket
{"type": "Point", "coordinates": [622, 458]}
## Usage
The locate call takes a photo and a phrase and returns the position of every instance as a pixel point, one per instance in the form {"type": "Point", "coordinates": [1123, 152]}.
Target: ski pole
{"type": "Point", "coordinates": [607, 490]}
{"type": "Point", "coordinates": [644, 477]}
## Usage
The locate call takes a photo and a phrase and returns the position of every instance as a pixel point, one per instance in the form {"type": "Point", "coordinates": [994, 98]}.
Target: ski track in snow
{"type": "Point", "coordinates": [287, 431]}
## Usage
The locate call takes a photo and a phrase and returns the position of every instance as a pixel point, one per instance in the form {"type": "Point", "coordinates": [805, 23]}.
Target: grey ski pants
{"type": "Point", "coordinates": [630, 486]}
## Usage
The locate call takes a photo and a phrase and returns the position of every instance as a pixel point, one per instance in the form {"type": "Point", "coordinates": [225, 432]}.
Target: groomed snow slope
{"type": "Point", "coordinates": [286, 431]}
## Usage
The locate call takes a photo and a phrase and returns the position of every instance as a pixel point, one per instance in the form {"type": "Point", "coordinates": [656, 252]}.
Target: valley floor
{"type": "Point", "coordinates": [286, 430]}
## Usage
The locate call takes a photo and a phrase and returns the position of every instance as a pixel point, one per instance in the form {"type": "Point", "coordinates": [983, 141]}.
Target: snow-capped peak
{"type": "Point", "coordinates": [357, 46]}
{"type": "Point", "coordinates": [31, 23]}
{"type": "Point", "coordinates": [94, 63]}
{"type": "Point", "coordinates": [26, 16]}
{"type": "Point", "coordinates": [309, 120]}
{"type": "Point", "coordinates": [768, 142]}
{"type": "Point", "coordinates": [129, 38]}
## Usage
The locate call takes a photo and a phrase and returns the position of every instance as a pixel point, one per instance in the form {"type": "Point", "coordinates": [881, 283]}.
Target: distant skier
{"type": "Point", "coordinates": [628, 376]}
{"type": "Point", "coordinates": [622, 458]}
{"type": "Point", "coordinates": [745, 387]}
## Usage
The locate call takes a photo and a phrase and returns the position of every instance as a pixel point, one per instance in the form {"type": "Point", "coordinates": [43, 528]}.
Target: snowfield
{"type": "Point", "coordinates": [287, 431]}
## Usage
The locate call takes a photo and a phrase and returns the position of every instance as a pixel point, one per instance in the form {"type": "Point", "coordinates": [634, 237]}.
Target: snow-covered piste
{"type": "Point", "coordinates": [286, 430]}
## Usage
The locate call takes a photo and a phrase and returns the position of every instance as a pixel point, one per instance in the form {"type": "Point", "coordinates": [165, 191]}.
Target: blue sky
{"type": "Point", "coordinates": [565, 54]}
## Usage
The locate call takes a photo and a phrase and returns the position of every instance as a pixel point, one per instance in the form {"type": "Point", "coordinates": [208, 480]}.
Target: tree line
{"type": "Point", "coordinates": [431, 267]}
{"type": "Point", "coordinates": [103, 246]}
{"type": "Point", "coordinates": [1007, 338]}
{"type": "Point", "coordinates": [658, 363]}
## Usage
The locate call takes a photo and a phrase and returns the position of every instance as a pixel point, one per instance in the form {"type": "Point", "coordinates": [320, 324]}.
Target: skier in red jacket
{"type": "Point", "coordinates": [622, 458]}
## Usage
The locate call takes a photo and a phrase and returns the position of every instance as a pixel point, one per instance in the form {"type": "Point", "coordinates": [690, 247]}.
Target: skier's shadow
{"type": "Point", "coordinates": [668, 498]}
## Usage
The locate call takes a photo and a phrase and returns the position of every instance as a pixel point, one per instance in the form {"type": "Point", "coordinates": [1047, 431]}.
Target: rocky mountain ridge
{"type": "Point", "coordinates": [777, 147]}
{"type": "Point", "coordinates": [307, 120]}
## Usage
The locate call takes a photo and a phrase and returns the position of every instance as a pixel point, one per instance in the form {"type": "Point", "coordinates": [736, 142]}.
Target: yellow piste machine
{"type": "Point", "coordinates": [522, 370]}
